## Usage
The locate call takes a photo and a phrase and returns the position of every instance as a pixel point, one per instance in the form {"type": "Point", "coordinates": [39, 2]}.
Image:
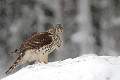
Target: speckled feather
{"type": "Point", "coordinates": [36, 42]}
{"type": "Point", "coordinates": [38, 47]}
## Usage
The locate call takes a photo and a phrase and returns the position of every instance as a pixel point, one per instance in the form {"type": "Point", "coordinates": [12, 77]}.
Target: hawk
{"type": "Point", "coordinates": [38, 47]}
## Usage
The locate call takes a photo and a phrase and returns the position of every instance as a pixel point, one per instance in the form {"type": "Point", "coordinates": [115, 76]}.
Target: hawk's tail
{"type": "Point", "coordinates": [15, 65]}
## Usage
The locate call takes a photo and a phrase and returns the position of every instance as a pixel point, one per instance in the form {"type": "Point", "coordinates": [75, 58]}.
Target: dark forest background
{"type": "Point", "coordinates": [90, 26]}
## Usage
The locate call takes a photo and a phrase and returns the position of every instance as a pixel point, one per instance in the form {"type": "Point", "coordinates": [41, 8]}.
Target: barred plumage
{"type": "Point", "coordinates": [38, 47]}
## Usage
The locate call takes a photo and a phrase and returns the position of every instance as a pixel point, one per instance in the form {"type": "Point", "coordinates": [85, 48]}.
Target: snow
{"type": "Point", "coordinates": [86, 67]}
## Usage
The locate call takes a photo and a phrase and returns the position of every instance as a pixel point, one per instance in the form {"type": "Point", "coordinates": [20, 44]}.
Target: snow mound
{"type": "Point", "coordinates": [86, 67]}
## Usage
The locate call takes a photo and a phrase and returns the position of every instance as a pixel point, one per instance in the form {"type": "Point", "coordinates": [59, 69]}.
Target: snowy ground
{"type": "Point", "coordinates": [86, 67]}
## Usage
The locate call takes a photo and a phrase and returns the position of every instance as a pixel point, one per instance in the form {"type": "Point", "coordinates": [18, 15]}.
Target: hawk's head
{"type": "Point", "coordinates": [58, 29]}
{"type": "Point", "coordinates": [56, 34]}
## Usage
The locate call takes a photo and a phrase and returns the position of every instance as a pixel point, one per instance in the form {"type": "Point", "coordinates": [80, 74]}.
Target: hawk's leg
{"type": "Point", "coordinates": [43, 58]}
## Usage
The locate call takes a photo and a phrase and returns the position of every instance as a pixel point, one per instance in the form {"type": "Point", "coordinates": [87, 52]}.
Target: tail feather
{"type": "Point", "coordinates": [10, 69]}
{"type": "Point", "coordinates": [15, 65]}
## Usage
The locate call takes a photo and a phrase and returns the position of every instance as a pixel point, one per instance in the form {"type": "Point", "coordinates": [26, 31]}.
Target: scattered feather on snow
{"type": "Point", "coordinates": [86, 67]}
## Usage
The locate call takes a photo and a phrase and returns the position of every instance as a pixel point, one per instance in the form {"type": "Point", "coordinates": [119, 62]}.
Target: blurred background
{"type": "Point", "coordinates": [90, 26]}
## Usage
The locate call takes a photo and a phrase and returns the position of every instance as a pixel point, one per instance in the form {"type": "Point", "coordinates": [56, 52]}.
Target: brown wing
{"type": "Point", "coordinates": [36, 41]}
